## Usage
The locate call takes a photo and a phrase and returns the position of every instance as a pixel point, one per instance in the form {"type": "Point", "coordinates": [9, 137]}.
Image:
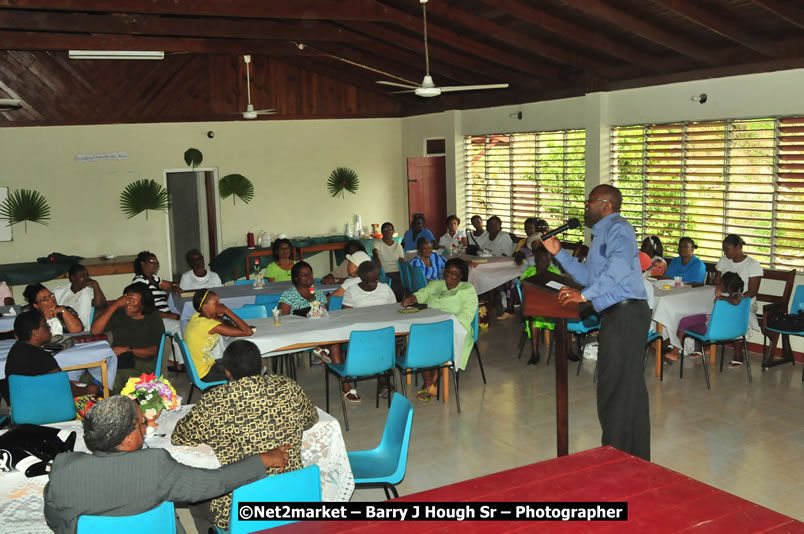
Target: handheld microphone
{"type": "Point", "coordinates": [571, 224]}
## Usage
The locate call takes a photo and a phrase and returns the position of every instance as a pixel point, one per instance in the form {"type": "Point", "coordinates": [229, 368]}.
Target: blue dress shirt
{"type": "Point", "coordinates": [693, 272]}
{"type": "Point", "coordinates": [612, 272]}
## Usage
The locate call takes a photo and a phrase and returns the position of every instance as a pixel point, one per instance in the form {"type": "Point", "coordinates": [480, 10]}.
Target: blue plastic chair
{"type": "Point", "coordinates": [796, 307]}
{"type": "Point", "coordinates": [244, 282]}
{"type": "Point", "coordinates": [269, 301]}
{"type": "Point", "coordinates": [41, 399]}
{"type": "Point", "coordinates": [192, 374]}
{"type": "Point", "coordinates": [161, 519]}
{"type": "Point", "coordinates": [303, 485]}
{"type": "Point", "coordinates": [652, 336]}
{"type": "Point", "coordinates": [581, 328]}
{"type": "Point", "coordinates": [417, 278]}
{"type": "Point", "coordinates": [430, 346]}
{"type": "Point", "coordinates": [251, 311]}
{"type": "Point", "coordinates": [404, 274]}
{"type": "Point", "coordinates": [91, 318]}
{"type": "Point", "coordinates": [370, 355]}
{"type": "Point", "coordinates": [385, 465]}
{"type": "Point", "coordinates": [475, 348]}
{"type": "Point", "coordinates": [335, 303]}
{"type": "Point", "coordinates": [158, 364]}
{"type": "Point", "coordinates": [728, 323]}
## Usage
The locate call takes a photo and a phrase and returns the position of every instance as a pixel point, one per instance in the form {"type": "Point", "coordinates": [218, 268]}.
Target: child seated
{"type": "Point", "coordinates": [534, 325]}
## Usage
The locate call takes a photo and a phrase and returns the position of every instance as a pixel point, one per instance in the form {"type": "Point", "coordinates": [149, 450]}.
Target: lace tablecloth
{"type": "Point", "coordinates": [22, 505]}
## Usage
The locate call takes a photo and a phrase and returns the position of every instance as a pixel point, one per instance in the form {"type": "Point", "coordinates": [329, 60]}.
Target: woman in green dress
{"type": "Point", "coordinates": [535, 324]}
{"type": "Point", "coordinates": [453, 295]}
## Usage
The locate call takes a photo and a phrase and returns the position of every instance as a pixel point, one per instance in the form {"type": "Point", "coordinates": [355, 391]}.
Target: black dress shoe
{"type": "Point", "coordinates": [572, 357]}
{"type": "Point", "coordinates": [534, 359]}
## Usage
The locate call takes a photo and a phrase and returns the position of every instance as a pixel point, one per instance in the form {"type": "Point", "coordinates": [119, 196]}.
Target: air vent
{"type": "Point", "coordinates": [435, 147]}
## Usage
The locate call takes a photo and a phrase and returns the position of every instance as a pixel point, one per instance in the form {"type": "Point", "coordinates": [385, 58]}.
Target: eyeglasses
{"type": "Point", "coordinates": [598, 199]}
{"type": "Point", "coordinates": [46, 298]}
{"type": "Point", "coordinates": [155, 262]}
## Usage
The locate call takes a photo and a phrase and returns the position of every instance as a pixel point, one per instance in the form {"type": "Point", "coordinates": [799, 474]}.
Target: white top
{"type": "Point", "coordinates": [747, 268]}
{"type": "Point", "coordinates": [190, 281]}
{"type": "Point", "coordinates": [81, 302]}
{"type": "Point", "coordinates": [355, 297]}
{"type": "Point", "coordinates": [349, 282]}
{"type": "Point", "coordinates": [482, 241]}
{"type": "Point", "coordinates": [446, 240]}
{"type": "Point", "coordinates": [389, 255]}
{"type": "Point", "coordinates": [501, 245]}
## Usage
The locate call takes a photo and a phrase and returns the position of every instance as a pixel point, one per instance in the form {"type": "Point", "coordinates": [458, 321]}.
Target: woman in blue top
{"type": "Point", "coordinates": [687, 265]}
{"type": "Point", "coordinates": [431, 262]}
{"type": "Point", "coordinates": [417, 230]}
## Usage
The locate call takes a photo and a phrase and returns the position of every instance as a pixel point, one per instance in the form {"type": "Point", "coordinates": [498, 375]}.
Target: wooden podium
{"type": "Point", "coordinates": [541, 299]}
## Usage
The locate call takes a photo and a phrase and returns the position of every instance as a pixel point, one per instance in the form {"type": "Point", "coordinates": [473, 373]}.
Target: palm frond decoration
{"type": "Point", "coordinates": [143, 195]}
{"type": "Point", "coordinates": [236, 186]}
{"type": "Point", "coordinates": [25, 205]}
{"type": "Point", "coordinates": [342, 179]}
{"type": "Point", "coordinates": [193, 157]}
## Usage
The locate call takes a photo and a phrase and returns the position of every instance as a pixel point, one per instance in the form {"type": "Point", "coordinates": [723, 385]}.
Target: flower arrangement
{"type": "Point", "coordinates": [152, 395]}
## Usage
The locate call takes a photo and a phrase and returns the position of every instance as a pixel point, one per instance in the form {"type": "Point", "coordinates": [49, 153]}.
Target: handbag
{"type": "Point", "coordinates": [32, 448]}
{"type": "Point", "coordinates": [792, 322]}
{"type": "Point", "coordinates": [59, 343]}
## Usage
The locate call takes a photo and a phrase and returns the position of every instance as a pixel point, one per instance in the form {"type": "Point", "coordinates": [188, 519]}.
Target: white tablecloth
{"type": "Point", "coordinates": [7, 320]}
{"type": "Point", "coordinates": [323, 445]}
{"type": "Point", "coordinates": [493, 273]}
{"type": "Point", "coordinates": [91, 352]}
{"type": "Point", "coordinates": [299, 330]}
{"type": "Point", "coordinates": [672, 305]}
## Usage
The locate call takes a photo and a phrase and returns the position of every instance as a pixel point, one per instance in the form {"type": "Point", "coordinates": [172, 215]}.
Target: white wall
{"type": "Point", "coordinates": [288, 162]}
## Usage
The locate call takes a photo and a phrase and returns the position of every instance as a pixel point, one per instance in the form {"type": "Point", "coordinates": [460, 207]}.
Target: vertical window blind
{"type": "Point", "coordinates": [520, 175]}
{"type": "Point", "coordinates": [705, 180]}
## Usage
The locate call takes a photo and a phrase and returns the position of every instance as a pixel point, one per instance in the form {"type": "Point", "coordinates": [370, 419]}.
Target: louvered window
{"type": "Point", "coordinates": [708, 179]}
{"type": "Point", "coordinates": [520, 175]}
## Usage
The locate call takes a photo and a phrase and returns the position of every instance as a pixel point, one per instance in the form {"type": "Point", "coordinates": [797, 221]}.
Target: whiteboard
{"type": "Point", "coordinates": [5, 230]}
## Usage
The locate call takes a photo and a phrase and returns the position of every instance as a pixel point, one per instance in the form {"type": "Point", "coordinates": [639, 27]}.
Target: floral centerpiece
{"type": "Point", "coordinates": [152, 395]}
{"type": "Point", "coordinates": [259, 274]}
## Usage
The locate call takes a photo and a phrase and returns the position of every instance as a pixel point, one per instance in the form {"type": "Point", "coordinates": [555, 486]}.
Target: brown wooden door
{"type": "Point", "coordinates": [427, 192]}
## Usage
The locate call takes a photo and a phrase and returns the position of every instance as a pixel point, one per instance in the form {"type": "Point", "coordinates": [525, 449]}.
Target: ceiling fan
{"type": "Point", "coordinates": [250, 112]}
{"type": "Point", "coordinates": [9, 104]}
{"type": "Point", "coordinates": [428, 88]}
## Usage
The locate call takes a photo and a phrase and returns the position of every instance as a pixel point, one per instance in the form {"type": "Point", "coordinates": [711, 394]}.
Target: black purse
{"type": "Point", "coordinates": [58, 343]}
{"type": "Point", "coordinates": [787, 321]}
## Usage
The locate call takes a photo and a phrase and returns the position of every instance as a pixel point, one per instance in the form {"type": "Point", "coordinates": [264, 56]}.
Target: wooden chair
{"type": "Point", "coordinates": [776, 303]}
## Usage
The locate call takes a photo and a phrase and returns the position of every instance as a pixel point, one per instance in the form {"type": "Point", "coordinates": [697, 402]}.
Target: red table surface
{"type": "Point", "coordinates": [659, 500]}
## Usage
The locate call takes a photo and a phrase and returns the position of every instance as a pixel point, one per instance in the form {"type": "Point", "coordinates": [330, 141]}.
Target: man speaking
{"type": "Point", "coordinates": [612, 280]}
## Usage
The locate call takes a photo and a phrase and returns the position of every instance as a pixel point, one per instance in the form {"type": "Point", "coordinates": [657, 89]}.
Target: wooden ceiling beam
{"type": "Point", "coordinates": [471, 46]}
{"type": "Point", "coordinates": [484, 26]}
{"type": "Point", "coordinates": [70, 41]}
{"type": "Point", "coordinates": [789, 12]}
{"type": "Point", "coordinates": [155, 25]}
{"type": "Point", "coordinates": [297, 9]}
{"type": "Point", "coordinates": [576, 33]}
{"type": "Point", "coordinates": [439, 53]}
{"type": "Point", "coordinates": [718, 24]}
{"type": "Point", "coordinates": [629, 23]}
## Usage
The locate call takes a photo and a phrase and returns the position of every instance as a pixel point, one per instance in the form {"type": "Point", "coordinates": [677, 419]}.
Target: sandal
{"type": "Point", "coordinates": [735, 364]}
{"type": "Point", "coordinates": [351, 396]}
{"type": "Point", "coordinates": [695, 355]}
{"type": "Point", "coordinates": [323, 355]}
{"type": "Point", "coordinates": [384, 392]}
{"type": "Point", "coordinates": [423, 395]}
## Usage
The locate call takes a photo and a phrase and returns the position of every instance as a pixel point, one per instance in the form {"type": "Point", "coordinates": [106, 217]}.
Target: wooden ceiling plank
{"type": "Point", "coordinates": [789, 12]}
{"type": "Point", "coordinates": [629, 23]}
{"type": "Point", "coordinates": [297, 9]}
{"type": "Point", "coordinates": [576, 33]}
{"type": "Point", "coordinates": [439, 53]}
{"type": "Point", "coordinates": [716, 23]}
{"type": "Point", "coordinates": [346, 74]}
{"type": "Point", "coordinates": [496, 31]}
{"type": "Point", "coordinates": [470, 46]}
{"type": "Point", "coordinates": [56, 21]}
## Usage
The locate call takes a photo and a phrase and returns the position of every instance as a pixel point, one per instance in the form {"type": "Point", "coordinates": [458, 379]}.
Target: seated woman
{"type": "Point", "coordinates": [341, 272]}
{"type": "Point", "coordinates": [368, 292]}
{"type": "Point", "coordinates": [478, 238]}
{"type": "Point", "coordinates": [454, 237]}
{"type": "Point", "coordinates": [734, 260]}
{"type": "Point", "coordinates": [146, 265]}
{"type": "Point", "coordinates": [453, 295]}
{"type": "Point", "coordinates": [730, 288]}
{"type": "Point", "coordinates": [417, 230]}
{"type": "Point", "coordinates": [499, 242]}
{"type": "Point", "coordinates": [534, 228]}
{"type": "Point", "coordinates": [61, 319]}
{"type": "Point", "coordinates": [534, 325]}
{"type": "Point", "coordinates": [432, 262]}
{"type": "Point", "coordinates": [279, 269]}
{"type": "Point", "coordinates": [135, 329]}
{"type": "Point", "coordinates": [203, 332]}
{"type": "Point", "coordinates": [200, 276]}
{"type": "Point", "coordinates": [352, 263]}
{"type": "Point", "coordinates": [691, 269]}
{"type": "Point", "coordinates": [27, 357]}
{"type": "Point", "coordinates": [652, 246]}
{"type": "Point", "coordinates": [81, 294]}
{"type": "Point", "coordinates": [387, 253]}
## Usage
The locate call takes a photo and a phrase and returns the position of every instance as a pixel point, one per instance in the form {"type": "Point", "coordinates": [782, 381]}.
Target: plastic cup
{"type": "Point", "coordinates": [677, 280]}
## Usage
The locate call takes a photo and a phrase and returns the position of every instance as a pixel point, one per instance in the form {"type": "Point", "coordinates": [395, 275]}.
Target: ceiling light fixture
{"type": "Point", "coordinates": [9, 104]}
{"type": "Point", "coordinates": [116, 54]}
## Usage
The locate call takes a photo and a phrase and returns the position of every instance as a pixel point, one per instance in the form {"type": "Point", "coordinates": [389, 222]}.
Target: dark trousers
{"type": "Point", "coordinates": [216, 373]}
{"type": "Point", "coordinates": [622, 397]}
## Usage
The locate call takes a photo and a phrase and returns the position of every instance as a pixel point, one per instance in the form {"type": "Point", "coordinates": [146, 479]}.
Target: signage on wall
{"type": "Point", "coordinates": [5, 229]}
{"type": "Point", "coordinates": [99, 157]}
